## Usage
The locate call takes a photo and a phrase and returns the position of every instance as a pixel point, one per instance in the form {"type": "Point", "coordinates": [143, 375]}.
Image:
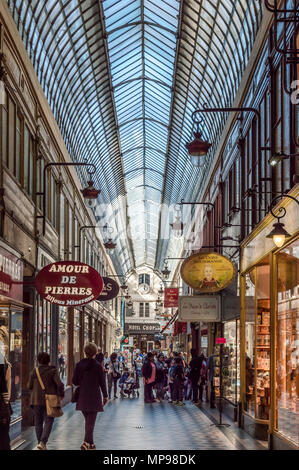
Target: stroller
{"type": "Point", "coordinates": [130, 386]}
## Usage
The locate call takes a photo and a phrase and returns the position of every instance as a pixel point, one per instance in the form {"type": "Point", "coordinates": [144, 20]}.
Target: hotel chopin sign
{"type": "Point", "coordinates": [69, 283]}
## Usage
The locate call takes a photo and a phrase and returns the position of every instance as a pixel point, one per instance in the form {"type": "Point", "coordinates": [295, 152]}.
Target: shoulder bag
{"type": "Point", "coordinates": [53, 403]}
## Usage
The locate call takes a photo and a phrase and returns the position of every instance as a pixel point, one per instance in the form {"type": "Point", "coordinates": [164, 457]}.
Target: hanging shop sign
{"type": "Point", "coordinates": [199, 308]}
{"type": "Point", "coordinates": [69, 283]}
{"type": "Point", "coordinates": [171, 297]}
{"type": "Point", "coordinates": [208, 272]}
{"type": "Point", "coordinates": [11, 275]}
{"type": "Point", "coordinates": [220, 340]}
{"type": "Point", "coordinates": [110, 289]}
{"type": "Point", "coordinates": [142, 328]}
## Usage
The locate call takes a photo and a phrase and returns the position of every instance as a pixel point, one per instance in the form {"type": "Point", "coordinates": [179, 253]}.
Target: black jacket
{"type": "Point", "coordinates": [90, 376]}
{"type": "Point", "coordinates": [51, 381]}
{"type": "Point", "coordinates": [195, 367]}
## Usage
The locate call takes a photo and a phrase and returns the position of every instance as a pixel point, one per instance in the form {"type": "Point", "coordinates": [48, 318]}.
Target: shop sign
{"type": "Point", "coordinates": [199, 308]}
{"type": "Point", "coordinates": [141, 328]}
{"type": "Point", "coordinates": [69, 283]}
{"type": "Point", "coordinates": [220, 340]}
{"type": "Point", "coordinates": [208, 272]}
{"type": "Point", "coordinates": [171, 297]}
{"type": "Point", "coordinates": [110, 289]}
{"type": "Point", "coordinates": [11, 275]}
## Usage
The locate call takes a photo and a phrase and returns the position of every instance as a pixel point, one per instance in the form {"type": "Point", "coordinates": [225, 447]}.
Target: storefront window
{"type": "Point", "coordinates": [257, 341]}
{"type": "Point", "coordinates": [76, 336]}
{"type": "Point", "coordinates": [231, 362]}
{"type": "Point", "coordinates": [287, 352]}
{"type": "Point", "coordinates": [43, 327]}
{"type": "Point", "coordinates": [11, 348]}
{"type": "Point", "coordinates": [63, 345]}
{"type": "Point", "coordinates": [249, 343]}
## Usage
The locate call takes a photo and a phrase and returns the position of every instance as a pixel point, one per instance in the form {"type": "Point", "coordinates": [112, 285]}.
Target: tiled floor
{"type": "Point", "coordinates": [129, 424]}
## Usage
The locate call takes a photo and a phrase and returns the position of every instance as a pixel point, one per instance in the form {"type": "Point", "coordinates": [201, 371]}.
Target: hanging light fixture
{"type": "Point", "coordinates": [165, 271]}
{"type": "Point", "coordinates": [90, 194]}
{"type": "Point", "coordinates": [110, 246]}
{"type": "Point", "coordinates": [161, 290]}
{"type": "Point", "coordinates": [198, 148]}
{"type": "Point", "coordinates": [177, 226]}
{"type": "Point", "coordinates": [278, 232]}
{"type": "Point", "coordinates": [130, 304]}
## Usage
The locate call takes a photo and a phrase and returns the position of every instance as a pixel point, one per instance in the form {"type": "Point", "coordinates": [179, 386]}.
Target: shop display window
{"type": "Point", "coordinates": [231, 361]}
{"type": "Point", "coordinates": [63, 344]}
{"type": "Point", "coordinates": [287, 347]}
{"type": "Point", "coordinates": [86, 328]}
{"type": "Point", "coordinates": [257, 341]}
{"type": "Point", "coordinates": [11, 323]}
{"type": "Point", "coordinates": [43, 327]}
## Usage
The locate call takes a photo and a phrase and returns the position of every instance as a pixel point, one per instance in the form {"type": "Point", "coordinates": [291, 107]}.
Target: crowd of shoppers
{"type": "Point", "coordinates": [173, 379]}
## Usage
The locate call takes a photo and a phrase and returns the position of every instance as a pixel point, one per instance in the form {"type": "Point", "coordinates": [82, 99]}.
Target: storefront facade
{"type": "Point", "coordinates": [270, 332]}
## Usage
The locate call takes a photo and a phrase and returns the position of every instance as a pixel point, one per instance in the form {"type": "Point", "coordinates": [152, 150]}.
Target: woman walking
{"type": "Point", "coordinates": [89, 376]}
{"type": "Point", "coordinates": [113, 374]}
{"type": "Point", "coordinates": [52, 384]}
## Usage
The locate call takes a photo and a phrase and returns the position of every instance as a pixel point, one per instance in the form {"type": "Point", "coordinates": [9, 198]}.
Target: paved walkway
{"type": "Point", "coordinates": [129, 424]}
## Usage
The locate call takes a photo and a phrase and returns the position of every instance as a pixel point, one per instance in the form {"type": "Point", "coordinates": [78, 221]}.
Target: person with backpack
{"type": "Point", "coordinates": [178, 382]}
{"type": "Point", "coordinates": [43, 380]}
{"type": "Point", "coordinates": [89, 377]}
{"type": "Point", "coordinates": [149, 376]}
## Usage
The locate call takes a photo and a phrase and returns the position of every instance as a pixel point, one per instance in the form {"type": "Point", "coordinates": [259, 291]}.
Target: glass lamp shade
{"type": "Point", "coordinates": [197, 160]}
{"type": "Point", "coordinates": [177, 227]}
{"type": "Point", "coordinates": [110, 246]}
{"type": "Point", "coordinates": [278, 234]}
{"type": "Point", "coordinates": [166, 272]}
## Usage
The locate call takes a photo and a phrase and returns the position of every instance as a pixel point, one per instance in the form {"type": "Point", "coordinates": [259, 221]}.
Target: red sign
{"type": "Point", "coordinates": [220, 340]}
{"type": "Point", "coordinates": [69, 283]}
{"type": "Point", "coordinates": [11, 275]}
{"type": "Point", "coordinates": [171, 297]}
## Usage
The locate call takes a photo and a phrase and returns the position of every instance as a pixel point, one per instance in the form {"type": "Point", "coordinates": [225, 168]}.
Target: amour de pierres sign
{"type": "Point", "coordinates": [69, 283]}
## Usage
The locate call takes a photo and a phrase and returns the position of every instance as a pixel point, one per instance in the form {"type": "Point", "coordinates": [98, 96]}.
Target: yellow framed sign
{"type": "Point", "coordinates": [208, 272]}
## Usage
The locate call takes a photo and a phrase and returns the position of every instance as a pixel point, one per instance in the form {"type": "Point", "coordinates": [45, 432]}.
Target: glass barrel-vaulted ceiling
{"type": "Point", "coordinates": [123, 78]}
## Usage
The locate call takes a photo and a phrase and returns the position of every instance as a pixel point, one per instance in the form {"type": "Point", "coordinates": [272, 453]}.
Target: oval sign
{"type": "Point", "coordinates": [208, 272]}
{"type": "Point", "coordinates": [110, 289]}
{"type": "Point", "coordinates": [69, 283]}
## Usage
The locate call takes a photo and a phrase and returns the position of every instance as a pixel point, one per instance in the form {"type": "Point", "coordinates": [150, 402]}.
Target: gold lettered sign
{"type": "Point", "coordinates": [208, 272]}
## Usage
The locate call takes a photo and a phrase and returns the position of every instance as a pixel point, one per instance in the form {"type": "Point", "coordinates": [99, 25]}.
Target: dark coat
{"type": "Point", "coordinates": [90, 376]}
{"type": "Point", "coordinates": [195, 367]}
{"type": "Point", "coordinates": [147, 369]}
{"type": "Point", "coordinates": [52, 384]}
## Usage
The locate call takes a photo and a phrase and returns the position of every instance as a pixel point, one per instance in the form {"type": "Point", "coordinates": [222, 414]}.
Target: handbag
{"type": "Point", "coordinates": [75, 393]}
{"type": "Point", "coordinates": [53, 403]}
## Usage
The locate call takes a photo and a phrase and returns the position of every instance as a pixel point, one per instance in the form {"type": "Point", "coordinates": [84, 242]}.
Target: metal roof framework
{"type": "Point", "coordinates": [122, 78]}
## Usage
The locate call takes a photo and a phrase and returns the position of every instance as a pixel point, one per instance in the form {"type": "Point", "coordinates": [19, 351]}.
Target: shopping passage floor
{"type": "Point", "coordinates": [129, 424]}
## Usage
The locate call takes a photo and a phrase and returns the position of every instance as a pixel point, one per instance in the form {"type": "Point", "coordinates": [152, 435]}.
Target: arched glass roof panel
{"type": "Point", "coordinates": [123, 78]}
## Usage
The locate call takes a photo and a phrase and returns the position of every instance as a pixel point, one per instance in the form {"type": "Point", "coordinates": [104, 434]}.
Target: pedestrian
{"type": "Point", "coordinates": [5, 407]}
{"type": "Point", "coordinates": [171, 366]}
{"type": "Point", "coordinates": [46, 376]}
{"type": "Point", "coordinates": [113, 374]}
{"type": "Point", "coordinates": [149, 377]}
{"type": "Point", "coordinates": [160, 376]}
{"type": "Point", "coordinates": [89, 377]}
{"type": "Point", "coordinates": [194, 374]}
{"type": "Point", "coordinates": [100, 357]}
{"type": "Point", "coordinates": [178, 382]}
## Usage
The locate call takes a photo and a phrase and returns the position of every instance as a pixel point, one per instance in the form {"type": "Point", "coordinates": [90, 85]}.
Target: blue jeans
{"type": "Point", "coordinates": [43, 423]}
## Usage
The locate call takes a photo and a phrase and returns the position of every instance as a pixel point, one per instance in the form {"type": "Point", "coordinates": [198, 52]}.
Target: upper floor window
{"type": "Point", "coordinates": [144, 279]}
